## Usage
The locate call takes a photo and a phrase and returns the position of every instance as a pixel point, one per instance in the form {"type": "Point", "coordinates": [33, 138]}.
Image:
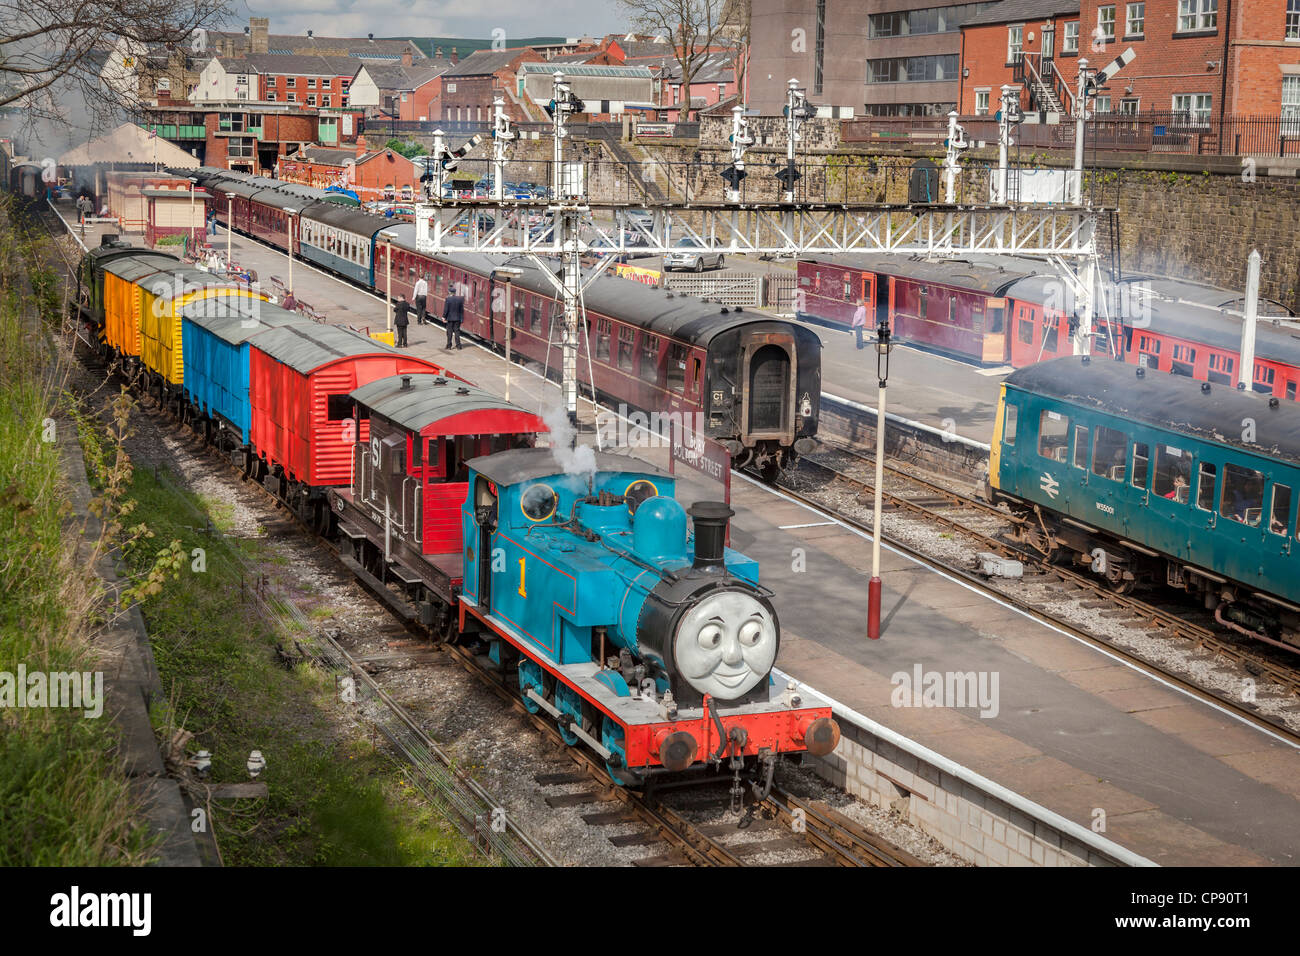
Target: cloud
{"type": "Point", "coordinates": [468, 18]}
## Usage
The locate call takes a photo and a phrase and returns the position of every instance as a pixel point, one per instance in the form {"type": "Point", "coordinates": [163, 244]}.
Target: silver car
{"type": "Point", "coordinates": [690, 255]}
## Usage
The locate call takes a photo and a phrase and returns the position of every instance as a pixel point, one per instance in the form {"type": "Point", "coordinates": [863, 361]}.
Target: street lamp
{"type": "Point", "coordinates": [289, 214]}
{"type": "Point", "coordinates": [883, 347]}
{"type": "Point", "coordinates": [230, 225]}
{"type": "Point", "coordinates": [388, 238]}
{"type": "Point", "coordinates": [193, 182]}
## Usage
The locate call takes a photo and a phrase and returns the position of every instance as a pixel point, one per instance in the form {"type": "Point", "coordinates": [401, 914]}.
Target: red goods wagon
{"type": "Point", "coordinates": [829, 288]}
{"type": "Point", "coordinates": [300, 377]}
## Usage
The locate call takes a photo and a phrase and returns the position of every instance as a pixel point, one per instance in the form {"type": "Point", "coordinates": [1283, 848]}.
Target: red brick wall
{"type": "Point", "coordinates": [1165, 64]}
{"type": "Point", "coordinates": [325, 86]}
{"type": "Point", "coordinates": [1260, 49]}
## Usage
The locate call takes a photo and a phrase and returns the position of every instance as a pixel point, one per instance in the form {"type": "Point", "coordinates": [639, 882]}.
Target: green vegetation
{"type": "Point", "coordinates": [63, 798]}
{"type": "Point", "coordinates": [409, 150]}
{"type": "Point", "coordinates": [334, 799]}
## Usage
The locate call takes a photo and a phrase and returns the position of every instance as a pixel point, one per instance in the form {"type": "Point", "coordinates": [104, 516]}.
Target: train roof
{"type": "Point", "coordinates": [305, 347]}
{"type": "Point", "coordinates": [235, 321]}
{"type": "Point", "coordinates": [431, 398]}
{"type": "Point", "coordinates": [141, 265]}
{"type": "Point", "coordinates": [1173, 402]}
{"type": "Point", "coordinates": [527, 464]}
{"type": "Point", "coordinates": [348, 218]}
{"type": "Point", "coordinates": [991, 274]}
{"type": "Point", "coordinates": [662, 312]}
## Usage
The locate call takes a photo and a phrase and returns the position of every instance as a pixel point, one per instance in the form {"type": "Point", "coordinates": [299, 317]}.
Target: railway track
{"type": "Point", "coordinates": [982, 524]}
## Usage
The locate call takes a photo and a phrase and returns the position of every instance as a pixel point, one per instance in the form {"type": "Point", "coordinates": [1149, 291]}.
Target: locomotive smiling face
{"type": "Point", "coordinates": [726, 644]}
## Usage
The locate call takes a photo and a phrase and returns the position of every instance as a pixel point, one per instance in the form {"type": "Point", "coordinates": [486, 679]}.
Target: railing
{"type": "Point", "coordinates": [1149, 132]}
{"type": "Point", "coordinates": [1033, 73]}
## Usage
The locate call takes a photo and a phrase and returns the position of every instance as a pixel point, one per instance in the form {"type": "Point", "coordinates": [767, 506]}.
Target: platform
{"type": "Point", "coordinates": [1076, 730]}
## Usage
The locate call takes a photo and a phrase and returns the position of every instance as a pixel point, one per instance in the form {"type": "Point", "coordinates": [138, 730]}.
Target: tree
{"type": "Point", "coordinates": [53, 52]}
{"type": "Point", "coordinates": [692, 26]}
{"type": "Point", "coordinates": [409, 150]}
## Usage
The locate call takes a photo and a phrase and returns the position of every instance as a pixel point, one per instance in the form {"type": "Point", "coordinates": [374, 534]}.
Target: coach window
{"type": "Point", "coordinates": [1141, 461]}
{"type": "Point", "coordinates": [604, 331]}
{"type": "Point", "coordinates": [518, 305]}
{"type": "Point", "coordinates": [1025, 331]}
{"type": "Point", "coordinates": [1009, 425]}
{"type": "Point", "coordinates": [1280, 512]}
{"type": "Point", "coordinates": [1220, 369]}
{"type": "Point", "coordinates": [1205, 486]}
{"type": "Point", "coordinates": [1242, 498]}
{"type": "Point", "coordinates": [626, 338]}
{"type": "Point", "coordinates": [535, 314]}
{"type": "Point", "coordinates": [1050, 326]}
{"type": "Point", "coordinates": [1184, 362]}
{"type": "Point", "coordinates": [1108, 453]}
{"type": "Point", "coordinates": [1053, 434]}
{"type": "Point", "coordinates": [1081, 447]}
{"type": "Point", "coordinates": [649, 367]}
{"type": "Point", "coordinates": [923, 295]}
{"type": "Point", "coordinates": [677, 369]}
{"type": "Point", "coordinates": [1173, 474]}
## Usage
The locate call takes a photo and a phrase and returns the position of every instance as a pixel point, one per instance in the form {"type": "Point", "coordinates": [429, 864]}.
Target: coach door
{"type": "Point", "coordinates": [485, 517]}
{"type": "Point", "coordinates": [769, 386]}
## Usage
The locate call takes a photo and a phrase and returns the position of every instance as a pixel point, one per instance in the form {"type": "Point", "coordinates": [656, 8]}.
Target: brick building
{"type": "Point", "coordinates": [881, 58]}
{"type": "Point", "coordinates": [468, 87]}
{"type": "Point", "coordinates": [1020, 42]}
{"type": "Point", "coordinates": [1194, 59]}
{"type": "Point", "coordinates": [410, 92]}
{"type": "Point", "coordinates": [371, 174]}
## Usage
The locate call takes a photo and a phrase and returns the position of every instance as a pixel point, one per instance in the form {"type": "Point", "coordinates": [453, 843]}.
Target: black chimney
{"type": "Point", "coordinates": [406, 383]}
{"type": "Point", "coordinates": [710, 518]}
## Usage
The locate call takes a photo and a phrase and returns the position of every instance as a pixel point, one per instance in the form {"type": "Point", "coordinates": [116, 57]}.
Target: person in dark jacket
{"type": "Point", "coordinates": [453, 313]}
{"type": "Point", "coordinates": [401, 319]}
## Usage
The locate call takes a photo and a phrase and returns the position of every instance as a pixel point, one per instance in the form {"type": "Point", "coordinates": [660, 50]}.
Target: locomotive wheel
{"type": "Point", "coordinates": [1118, 583]}
{"type": "Point", "coordinates": [770, 471]}
{"type": "Point", "coordinates": [1040, 541]}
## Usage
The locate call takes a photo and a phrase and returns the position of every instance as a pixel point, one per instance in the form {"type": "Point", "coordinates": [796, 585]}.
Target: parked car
{"type": "Point", "coordinates": [690, 255]}
{"type": "Point", "coordinates": [636, 219]}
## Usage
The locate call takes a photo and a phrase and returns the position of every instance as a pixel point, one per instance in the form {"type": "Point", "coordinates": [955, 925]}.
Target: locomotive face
{"type": "Point", "coordinates": [726, 644]}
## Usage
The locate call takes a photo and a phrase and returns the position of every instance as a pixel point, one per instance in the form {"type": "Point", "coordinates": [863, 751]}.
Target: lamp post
{"type": "Point", "coordinates": [193, 182]}
{"type": "Point", "coordinates": [230, 226]}
{"type": "Point", "coordinates": [289, 214]}
{"type": "Point", "coordinates": [883, 348]}
{"type": "Point", "coordinates": [388, 238]}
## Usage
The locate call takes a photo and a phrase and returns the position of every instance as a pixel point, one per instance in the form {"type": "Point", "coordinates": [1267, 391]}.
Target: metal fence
{"type": "Point", "coordinates": [732, 288]}
{"type": "Point", "coordinates": [1150, 132]}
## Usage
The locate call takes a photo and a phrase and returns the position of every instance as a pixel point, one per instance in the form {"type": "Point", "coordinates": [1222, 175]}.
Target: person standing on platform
{"type": "Point", "coordinates": [860, 321]}
{"type": "Point", "coordinates": [453, 313]}
{"type": "Point", "coordinates": [421, 298]}
{"type": "Point", "coordinates": [401, 319]}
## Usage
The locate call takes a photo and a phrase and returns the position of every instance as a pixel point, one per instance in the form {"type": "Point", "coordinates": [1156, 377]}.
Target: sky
{"type": "Point", "coordinates": [467, 18]}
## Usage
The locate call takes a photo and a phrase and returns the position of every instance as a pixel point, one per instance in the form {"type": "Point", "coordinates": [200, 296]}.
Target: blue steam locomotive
{"type": "Point", "coordinates": [652, 647]}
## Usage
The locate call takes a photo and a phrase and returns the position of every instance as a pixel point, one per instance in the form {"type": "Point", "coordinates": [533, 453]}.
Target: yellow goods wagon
{"type": "Point", "coordinates": [160, 315]}
{"type": "Point", "coordinates": [123, 279]}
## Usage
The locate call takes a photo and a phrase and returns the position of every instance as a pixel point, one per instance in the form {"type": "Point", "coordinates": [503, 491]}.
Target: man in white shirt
{"type": "Point", "coordinates": [421, 292]}
{"type": "Point", "coordinates": [860, 321]}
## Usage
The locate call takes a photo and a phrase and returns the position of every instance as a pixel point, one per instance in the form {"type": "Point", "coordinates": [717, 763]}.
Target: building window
{"type": "Point", "coordinates": [820, 52]}
{"type": "Point", "coordinates": [1015, 43]}
{"type": "Point", "coordinates": [343, 100]}
{"type": "Point", "coordinates": [270, 96]}
{"type": "Point", "coordinates": [293, 97]}
{"type": "Point", "coordinates": [1290, 105]}
{"type": "Point", "coordinates": [1106, 22]}
{"type": "Point", "coordinates": [912, 69]}
{"type": "Point", "coordinates": [345, 83]}
{"type": "Point", "coordinates": [917, 22]}
{"type": "Point", "coordinates": [1293, 19]}
{"type": "Point", "coordinates": [1129, 106]}
{"type": "Point", "coordinates": [311, 99]}
{"type": "Point", "coordinates": [325, 101]}
{"type": "Point", "coordinates": [1070, 42]}
{"type": "Point", "coordinates": [1102, 104]}
{"type": "Point", "coordinates": [1135, 18]}
{"type": "Point", "coordinates": [982, 102]}
{"type": "Point", "coordinates": [1194, 106]}
{"type": "Point", "coordinates": [1197, 15]}
{"type": "Point", "coordinates": [311, 82]}
{"type": "Point", "coordinates": [291, 81]}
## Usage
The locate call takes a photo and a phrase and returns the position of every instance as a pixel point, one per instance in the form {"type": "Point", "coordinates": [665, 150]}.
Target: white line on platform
{"type": "Point", "coordinates": [811, 524]}
{"type": "Point", "coordinates": [1011, 607]}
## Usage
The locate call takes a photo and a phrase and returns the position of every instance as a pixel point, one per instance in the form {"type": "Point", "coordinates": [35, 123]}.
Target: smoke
{"type": "Point", "coordinates": [574, 459]}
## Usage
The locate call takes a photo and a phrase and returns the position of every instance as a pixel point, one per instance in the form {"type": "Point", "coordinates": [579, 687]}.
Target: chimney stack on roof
{"type": "Point", "coordinates": [361, 146]}
{"type": "Point", "coordinates": [438, 53]}
{"type": "Point", "coordinates": [454, 55]}
{"type": "Point", "coordinates": [406, 58]}
{"type": "Point", "coordinates": [259, 34]}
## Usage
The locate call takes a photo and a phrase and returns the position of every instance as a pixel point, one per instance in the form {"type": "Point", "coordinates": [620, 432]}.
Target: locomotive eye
{"type": "Point", "coordinates": [750, 632]}
{"type": "Point", "coordinates": [710, 637]}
